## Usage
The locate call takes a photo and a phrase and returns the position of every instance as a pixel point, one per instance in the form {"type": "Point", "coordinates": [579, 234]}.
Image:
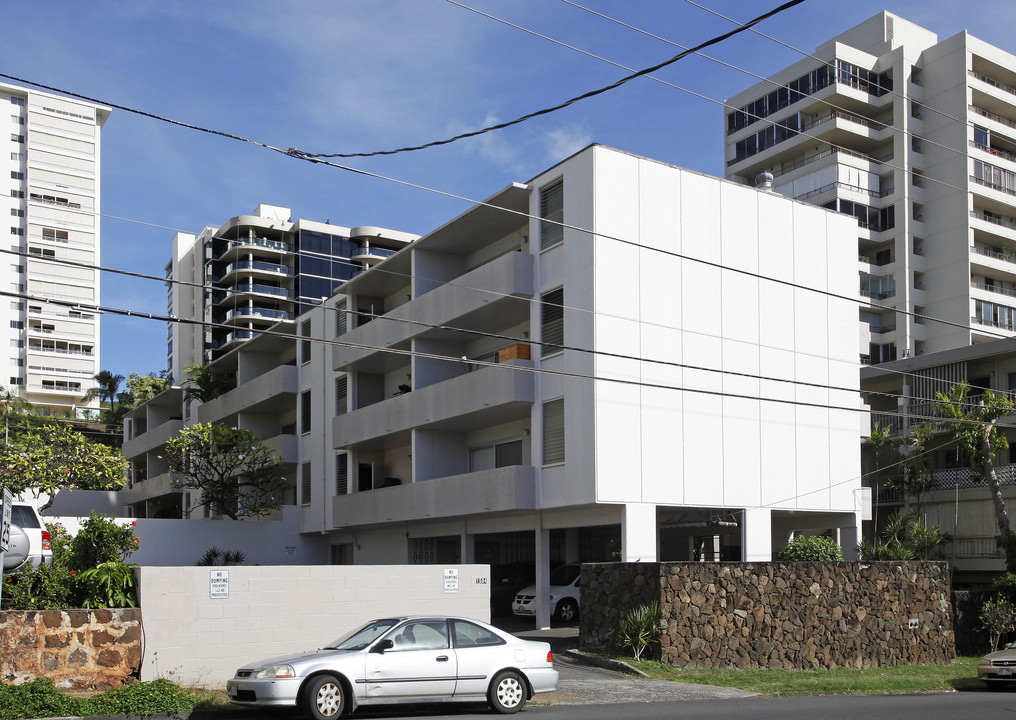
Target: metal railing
{"type": "Point", "coordinates": [993, 323]}
{"type": "Point", "coordinates": [993, 186]}
{"type": "Point", "coordinates": [974, 547]}
{"type": "Point", "coordinates": [995, 221]}
{"type": "Point", "coordinates": [1005, 256]}
{"type": "Point", "coordinates": [993, 151]}
{"type": "Point", "coordinates": [993, 83]}
{"type": "Point", "coordinates": [261, 289]}
{"type": "Point", "coordinates": [992, 288]}
{"type": "Point", "coordinates": [991, 116]}
{"type": "Point", "coordinates": [846, 186]}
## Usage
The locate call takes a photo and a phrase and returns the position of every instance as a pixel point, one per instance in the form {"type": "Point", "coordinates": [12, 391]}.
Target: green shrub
{"type": "Point", "coordinates": [1005, 587]}
{"type": "Point", "coordinates": [36, 699]}
{"type": "Point", "coordinates": [640, 628]}
{"type": "Point", "coordinates": [110, 585]}
{"type": "Point", "coordinates": [39, 699]}
{"type": "Point", "coordinates": [811, 548]}
{"type": "Point", "coordinates": [42, 588]}
{"type": "Point", "coordinates": [100, 540]}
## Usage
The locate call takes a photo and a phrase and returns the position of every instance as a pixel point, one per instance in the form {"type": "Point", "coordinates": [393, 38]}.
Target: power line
{"type": "Point", "coordinates": [435, 143]}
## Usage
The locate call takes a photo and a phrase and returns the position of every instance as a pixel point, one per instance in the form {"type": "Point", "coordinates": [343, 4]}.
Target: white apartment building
{"type": "Point", "coordinates": [916, 138]}
{"type": "Point", "coordinates": [50, 154]}
{"type": "Point", "coordinates": [662, 376]}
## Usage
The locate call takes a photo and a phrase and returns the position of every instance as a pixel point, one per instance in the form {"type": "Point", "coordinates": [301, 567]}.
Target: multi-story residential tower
{"type": "Point", "coordinates": [257, 270]}
{"type": "Point", "coordinates": [50, 160]}
{"type": "Point", "coordinates": [916, 138]}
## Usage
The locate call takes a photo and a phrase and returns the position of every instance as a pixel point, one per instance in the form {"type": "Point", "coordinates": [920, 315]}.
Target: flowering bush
{"type": "Point", "coordinates": [73, 581]}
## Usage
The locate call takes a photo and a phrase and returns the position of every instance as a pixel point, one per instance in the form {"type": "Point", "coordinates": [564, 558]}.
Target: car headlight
{"type": "Point", "coordinates": [276, 671]}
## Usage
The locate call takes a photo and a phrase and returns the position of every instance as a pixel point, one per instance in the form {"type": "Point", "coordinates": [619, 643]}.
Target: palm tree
{"type": "Point", "coordinates": [107, 388]}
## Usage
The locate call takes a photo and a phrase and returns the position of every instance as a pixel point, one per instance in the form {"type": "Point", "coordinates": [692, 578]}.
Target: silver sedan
{"type": "Point", "coordinates": [402, 660]}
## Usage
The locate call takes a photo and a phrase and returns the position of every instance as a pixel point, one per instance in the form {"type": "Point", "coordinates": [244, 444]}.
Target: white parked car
{"type": "Point", "coordinates": [564, 595]}
{"type": "Point", "coordinates": [402, 660]}
{"type": "Point", "coordinates": [26, 518]}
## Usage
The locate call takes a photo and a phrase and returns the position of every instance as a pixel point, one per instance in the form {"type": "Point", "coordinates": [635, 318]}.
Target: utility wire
{"type": "Point", "coordinates": [546, 111]}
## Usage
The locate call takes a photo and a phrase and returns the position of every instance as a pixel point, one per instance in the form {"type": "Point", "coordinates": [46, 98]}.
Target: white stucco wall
{"type": "Point", "coordinates": [196, 640]}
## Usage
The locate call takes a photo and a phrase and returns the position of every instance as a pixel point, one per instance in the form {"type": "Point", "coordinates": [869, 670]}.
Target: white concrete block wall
{"type": "Point", "coordinates": [196, 640]}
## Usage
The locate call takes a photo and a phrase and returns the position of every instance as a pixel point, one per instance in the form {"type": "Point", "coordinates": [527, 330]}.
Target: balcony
{"type": "Point", "coordinates": [371, 255]}
{"type": "Point", "coordinates": [240, 314]}
{"type": "Point", "coordinates": [455, 303]}
{"type": "Point", "coordinates": [246, 244]}
{"type": "Point", "coordinates": [485, 397]}
{"type": "Point", "coordinates": [246, 288]}
{"type": "Point", "coordinates": [273, 392]}
{"type": "Point", "coordinates": [500, 490]}
{"type": "Point", "coordinates": [150, 489]}
{"type": "Point", "coordinates": [155, 437]}
{"type": "Point", "coordinates": [232, 339]}
{"type": "Point", "coordinates": [254, 267]}
{"type": "Point", "coordinates": [286, 446]}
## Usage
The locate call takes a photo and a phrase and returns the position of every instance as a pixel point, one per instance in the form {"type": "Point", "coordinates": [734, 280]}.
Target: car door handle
{"type": "Point", "coordinates": [442, 658]}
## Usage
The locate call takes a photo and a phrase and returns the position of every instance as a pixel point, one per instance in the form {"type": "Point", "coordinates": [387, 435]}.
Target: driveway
{"type": "Point", "coordinates": [583, 684]}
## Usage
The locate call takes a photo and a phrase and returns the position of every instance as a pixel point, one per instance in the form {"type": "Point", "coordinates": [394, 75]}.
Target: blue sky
{"type": "Point", "coordinates": [362, 75]}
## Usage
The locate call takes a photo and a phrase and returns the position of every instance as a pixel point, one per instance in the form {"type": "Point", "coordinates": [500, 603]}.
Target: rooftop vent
{"type": "Point", "coordinates": [764, 181]}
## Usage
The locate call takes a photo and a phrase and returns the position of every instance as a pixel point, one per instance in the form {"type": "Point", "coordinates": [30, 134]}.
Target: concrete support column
{"type": "Point", "coordinates": [638, 533]}
{"type": "Point", "coordinates": [467, 547]}
{"type": "Point", "coordinates": [542, 600]}
{"type": "Point", "coordinates": [757, 535]}
{"type": "Point", "coordinates": [849, 537]}
{"type": "Point", "coordinates": [571, 545]}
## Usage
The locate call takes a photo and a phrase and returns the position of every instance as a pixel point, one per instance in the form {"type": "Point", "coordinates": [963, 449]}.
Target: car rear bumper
{"type": "Point", "coordinates": [543, 679]}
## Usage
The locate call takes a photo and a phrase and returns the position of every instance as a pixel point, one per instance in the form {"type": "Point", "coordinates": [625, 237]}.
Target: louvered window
{"type": "Point", "coordinates": [552, 322]}
{"type": "Point", "coordinates": [341, 474]}
{"type": "Point", "coordinates": [305, 412]}
{"type": "Point", "coordinates": [305, 483]}
{"type": "Point", "coordinates": [341, 394]}
{"type": "Point", "coordinates": [551, 214]}
{"type": "Point", "coordinates": [305, 344]}
{"type": "Point", "coordinates": [553, 432]}
{"type": "Point", "coordinates": [341, 324]}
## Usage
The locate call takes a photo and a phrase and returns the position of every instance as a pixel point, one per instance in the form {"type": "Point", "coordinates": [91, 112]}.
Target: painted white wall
{"type": "Point", "coordinates": [196, 640]}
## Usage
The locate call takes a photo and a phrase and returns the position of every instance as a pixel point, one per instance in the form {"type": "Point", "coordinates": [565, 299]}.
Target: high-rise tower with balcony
{"type": "Point", "coordinates": [51, 166]}
{"type": "Point", "coordinates": [916, 138]}
{"type": "Point", "coordinates": [256, 270]}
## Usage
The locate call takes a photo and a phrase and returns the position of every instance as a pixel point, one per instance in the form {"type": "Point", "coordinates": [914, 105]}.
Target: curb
{"type": "Point", "coordinates": [582, 658]}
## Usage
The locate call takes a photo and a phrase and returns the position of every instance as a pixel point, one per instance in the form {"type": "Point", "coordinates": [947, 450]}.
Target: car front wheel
{"type": "Point", "coordinates": [566, 610]}
{"type": "Point", "coordinates": [507, 693]}
{"type": "Point", "coordinates": [323, 698]}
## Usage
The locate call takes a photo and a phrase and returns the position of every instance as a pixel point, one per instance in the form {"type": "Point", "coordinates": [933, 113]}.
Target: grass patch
{"type": "Point", "coordinates": [961, 675]}
{"type": "Point", "coordinates": [40, 699]}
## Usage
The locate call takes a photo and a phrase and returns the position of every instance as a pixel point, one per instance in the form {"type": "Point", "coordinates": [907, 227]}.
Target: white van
{"type": "Point", "coordinates": [564, 595]}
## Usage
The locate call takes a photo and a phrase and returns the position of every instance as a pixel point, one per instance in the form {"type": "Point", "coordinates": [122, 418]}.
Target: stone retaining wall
{"type": "Point", "coordinates": [76, 649]}
{"type": "Point", "coordinates": [779, 615]}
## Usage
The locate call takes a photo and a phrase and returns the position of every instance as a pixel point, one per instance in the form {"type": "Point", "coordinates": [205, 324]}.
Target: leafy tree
{"type": "Point", "coordinates": [811, 548]}
{"type": "Point", "coordinates": [905, 537]}
{"type": "Point", "coordinates": [106, 389]}
{"type": "Point", "coordinates": [52, 457]}
{"type": "Point", "coordinates": [142, 388]}
{"type": "Point", "coordinates": [974, 427]}
{"type": "Point", "coordinates": [237, 475]}
{"type": "Point", "coordinates": [206, 385]}
{"type": "Point", "coordinates": [998, 617]}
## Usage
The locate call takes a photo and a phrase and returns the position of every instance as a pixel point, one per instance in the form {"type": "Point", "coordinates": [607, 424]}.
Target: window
{"type": "Point", "coordinates": [469, 634]}
{"type": "Point", "coordinates": [17, 213]}
{"type": "Point", "coordinates": [341, 322]}
{"type": "Point", "coordinates": [17, 324]}
{"type": "Point", "coordinates": [552, 322]}
{"type": "Point", "coordinates": [17, 231]}
{"type": "Point", "coordinates": [17, 193]}
{"type": "Point", "coordinates": [18, 101]}
{"type": "Point", "coordinates": [553, 432]}
{"type": "Point", "coordinates": [17, 138]}
{"type": "Point", "coordinates": [305, 412]}
{"type": "Point", "coordinates": [305, 483]}
{"type": "Point", "coordinates": [17, 381]}
{"type": "Point", "coordinates": [551, 214]}
{"type": "Point", "coordinates": [54, 235]}
{"type": "Point", "coordinates": [496, 456]}
{"type": "Point", "coordinates": [15, 175]}
{"type": "Point", "coordinates": [305, 343]}
{"type": "Point", "coordinates": [341, 474]}
{"type": "Point", "coordinates": [341, 394]}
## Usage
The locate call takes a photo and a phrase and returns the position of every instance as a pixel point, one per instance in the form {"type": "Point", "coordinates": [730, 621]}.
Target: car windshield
{"type": "Point", "coordinates": [564, 575]}
{"type": "Point", "coordinates": [362, 637]}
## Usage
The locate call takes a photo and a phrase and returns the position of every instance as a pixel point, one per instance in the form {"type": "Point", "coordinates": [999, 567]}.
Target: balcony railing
{"type": "Point", "coordinates": [993, 83]}
{"type": "Point", "coordinates": [1005, 256]}
{"type": "Point", "coordinates": [993, 186]}
{"type": "Point", "coordinates": [846, 186]}
{"type": "Point", "coordinates": [840, 115]}
{"type": "Point", "coordinates": [260, 242]}
{"type": "Point", "coordinates": [970, 548]}
{"type": "Point", "coordinates": [993, 323]}
{"type": "Point", "coordinates": [992, 116]}
{"type": "Point", "coordinates": [259, 312]}
{"type": "Point", "coordinates": [878, 294]}
{"type": "Point", "coordinates": [256, 265]}
{"type": "Point", "coordinates": [994, 151]}
{"type": "Point", "coordinates": [992, 288]}
{"type": "Point", "coordinates": [995, 221]}
{"type": "Point", "coordinates": [260, 289]}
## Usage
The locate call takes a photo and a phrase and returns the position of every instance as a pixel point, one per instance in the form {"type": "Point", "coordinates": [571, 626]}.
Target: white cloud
{"type": "Point", "coordinates": [565, 141]}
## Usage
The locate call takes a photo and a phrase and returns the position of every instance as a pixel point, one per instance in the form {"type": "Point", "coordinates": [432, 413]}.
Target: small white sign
{"type": "Point", "coordinates": [218, 584]}
{"type": "Point", "coordinates": [451, 580]}
{"type": "Point", "coordinates": [5, 523]}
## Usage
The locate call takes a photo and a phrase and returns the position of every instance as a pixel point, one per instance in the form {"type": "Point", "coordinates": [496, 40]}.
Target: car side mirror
{"type": "Point", "coordinates": [380, 647]}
